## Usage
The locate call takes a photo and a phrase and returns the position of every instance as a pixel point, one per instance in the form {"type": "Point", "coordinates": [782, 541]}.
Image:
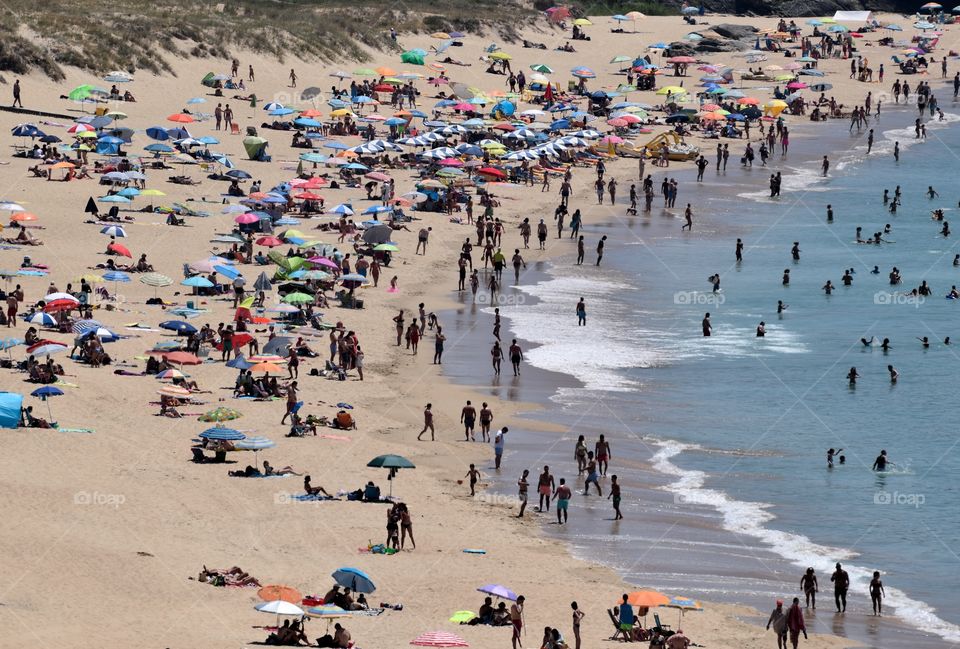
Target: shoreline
{"type": "Point", "coordinates": [896, 630]}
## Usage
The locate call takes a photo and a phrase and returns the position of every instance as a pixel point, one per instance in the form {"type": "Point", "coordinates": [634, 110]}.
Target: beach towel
{"type": "Point", "coordinates": [341, 438]}
{"type": "Point", "coordinates": [75, 430]}
{"type": "Point", "coordinates": [308, 498]}
{"type": "Point", "coordinates": [474, 551]}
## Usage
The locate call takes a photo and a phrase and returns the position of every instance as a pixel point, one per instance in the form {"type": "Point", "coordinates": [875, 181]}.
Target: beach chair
{"type": "Point", "coordinates": [660, 628]}
{"type": "Point", "coordinates": [199, 457]}
{"type": "Point", "coordinates": [234, 129]}
{"type": "Point", "coordinates": [618, 634]}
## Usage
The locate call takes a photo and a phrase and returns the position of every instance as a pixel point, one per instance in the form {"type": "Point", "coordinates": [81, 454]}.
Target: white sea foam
{"type": "Point", "coordinates": [750, 518]}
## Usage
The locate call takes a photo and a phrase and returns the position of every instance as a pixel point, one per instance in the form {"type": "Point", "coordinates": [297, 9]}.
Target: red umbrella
{"type": "Point", "coordinates": [41, 343]}
{"type": "Point", "coordinates": [181, 118]}
{"type": "Point", "coordinates": [182, 358]}
{"type": "Point", "coordinates": [308, 196]}
{"type": "Point", "coordinates": [505, 127]}
{"type": "Point", "coordinates": [490, 171]}
{"type": "Point", "coordinates": [241, 339]}
{"type": "Point", "coordinates": [548, 93]}
{"type": "Point", "coordinates": [269, 242]}
{"type": "Point", "coordinates": [118, 249]}
{"type": "Point", "coordinates": [56, 306]}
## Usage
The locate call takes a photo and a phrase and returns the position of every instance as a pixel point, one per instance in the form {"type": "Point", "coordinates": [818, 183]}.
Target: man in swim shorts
{"type": "Point", "coordinates": [591, 475]}
{"type": "Point", "coordinates": [467, 417]}
{"type": "Point", "coordinates": [602, 450]}
{"type": "Point", "coordinates": [545, 487]}
{"type": "Point", "coordinates": [516, 618]}
{"type": "Point", "coordinates": [562, 495]}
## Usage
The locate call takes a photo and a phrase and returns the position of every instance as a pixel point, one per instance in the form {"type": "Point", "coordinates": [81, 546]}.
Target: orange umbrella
{"type": "Point", "coordinates": [647, 598]}
{"type": "Point", "coordinates": [181, 118]}
{"type": "Point", "coordinates": [385, 71]}
{"type": "Point", "coordinates": [118, 249]}
{"type": "Point", "coordinates": [269, 368]}
{"type": "Point", "coordinates": [274, 592]}
{"type": "Point", "coordinates": [63, 165]}
{"type": "Point", "coordinates": [24, 216]}
{"type": "Point", "coordinates": [312, 112]}
{"type": "Point", "coordinates": [749, 101]}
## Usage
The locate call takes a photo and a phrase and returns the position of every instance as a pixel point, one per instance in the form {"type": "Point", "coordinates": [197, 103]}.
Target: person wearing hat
{"type": "Point", "coordinates": [778, 619]}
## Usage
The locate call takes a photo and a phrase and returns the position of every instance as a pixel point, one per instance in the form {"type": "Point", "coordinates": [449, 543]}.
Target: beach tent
{"type": "Point", "coordinates": [412, 57]}
{"type": "Point", "coordinates": [10, 405]}
{"type": "Point", "coordinates": [852, 16]}
{"type": "Point", "coordinates": [256, 148]}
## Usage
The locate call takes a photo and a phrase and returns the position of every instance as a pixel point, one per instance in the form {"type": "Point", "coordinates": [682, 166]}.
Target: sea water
{"type": "Point", "coordinates": [720, 442]}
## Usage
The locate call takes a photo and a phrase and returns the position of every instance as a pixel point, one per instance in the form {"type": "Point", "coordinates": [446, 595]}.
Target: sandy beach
{"type": "Point", "coordinates": [107, 530]}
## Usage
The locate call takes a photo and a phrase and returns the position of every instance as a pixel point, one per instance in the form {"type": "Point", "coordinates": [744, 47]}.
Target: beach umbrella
{"type": "Point", "coordinates": [499, 591]}
{"type": "Point", "coordinates": [239, 363]}
{"type": "Point", "coordinates": [392, 462]}
{"type": "Point", "coordinates": [222, 434]}
{"type": "Point", "coordinates": [156, 280]}
{"type": "Point", "coordinates": [327, 611]}
{"type": "Point", "coordinates": [683, 604]}
{"type": "Point", "coordinates": [174, 391]}
{"type": "Point", "coordinates": [182, 328]}
{"type": "Point", "coordinates": [113, 231]}
{"type": "Point", "coordinates": [197, 281]}
{"type": "Point", "coordinates": [42, 319]}
{"type": "Point", "coordinates": [354, 579]}
{"type": "Point", "coordinates": [280, 607]}
{"type": "Point", "coordinates": [647, 598]}
{"type": "Point", "coordinates": [440, 638]}
{"type": "Point", "coordinates": [45, 393]}
{"type": "Point", "coordinates": [181, 118]}
{"type": "Point", "coordinates": [182, 358]}
{"type": "Point", "coordinates": [276, 592]}
{"type": "Point", "coordinates": [169, 374]}
{"type": "Point", "coordinates": [46, 348]}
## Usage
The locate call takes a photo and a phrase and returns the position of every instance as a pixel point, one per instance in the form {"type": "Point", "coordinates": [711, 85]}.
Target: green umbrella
{"type": "Point", "coordinates": [541, 67]}
{"type": "Point", "coordinates": [387, 247]}
{"type": "Point", "coordinates": [392, 462]}
{"type": "Point", "coordinates": [364, 72]}
{"type": "Point", "coordinates": [297, 298]}
{"type": "Point", "coordinates": [80, 92]}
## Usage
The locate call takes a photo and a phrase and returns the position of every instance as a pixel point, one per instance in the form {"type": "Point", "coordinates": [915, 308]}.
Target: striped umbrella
{"type": "Point", "coordinates": [439, 639]}
{"type": "Point", "coordinates": [173, 391]}
{"type": "Point", "coordinates": [225, 434]}
{"type": "Point", "coordinates": [81, 327]}
{"type": "Point", "coordinates": [170, 374]}
{"type": "Point", "coordinates": [113, 231]}
{"type": "Point", "coordinates": [256, 444]}
{"type": "Point", "coordinates": [42, 319]}
{"type": "Point", "coordinates": [156, 280]}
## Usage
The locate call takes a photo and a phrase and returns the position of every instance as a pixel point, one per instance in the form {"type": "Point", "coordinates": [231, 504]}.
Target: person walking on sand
{"type": "Point", "coordinates": [562, 496]}
{"type": "Point", "coordinates": [467, 417]}
{"type": "Point", "coordinates": [808, 582]}
{"type": "Point", "coordinates": [841, 583]}
{"type": "Point", "coordinates": [16, 94]}
{"type": "Point", "coordinates": [293, 78]}
{"type": "Point", "coordinates": [615, 495]}
{"type": "Point", "coordinates": [778, 620]}
{"type": "Point", "coordinates": [516, 355]}
{"type": "Point", "coordinates": [516, 619]}
{"type": "Point", "coordinates": [427, 423]}
{"type": "Point", "coordinates": [474, 476]}
{"type": "Point", "coordinates": [522, 485]}
{"type": "Point", "coordinates": [291, 402]}
{"type": "Point", "coordinates": [545, 487]}
{"type": "Point", "coordinates": [795, 623]}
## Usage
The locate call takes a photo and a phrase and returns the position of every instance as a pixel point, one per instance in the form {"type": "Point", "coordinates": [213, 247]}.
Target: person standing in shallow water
{"type": "Point", "coordinates": [706, 326]}
{"type": "Point", "coordinates": [581, 313]}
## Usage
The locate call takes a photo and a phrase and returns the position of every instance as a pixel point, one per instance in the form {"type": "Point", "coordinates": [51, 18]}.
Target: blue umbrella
{"type": "Point", "coordinates": [42, 319]}
{"type": "Point", "coordinates": [280, 112]}
{"type": "Point", "coordinates": [45, 393]}
{"type": "Point", "coordinates": [116, 276]}
{"type": "Point", "coordinates": [114, 198]}
{"type": "Point", "coordinates": [208, 139]}
{"type": "Point", "coordinates": [224, 434]}
{"type": "Point", "coordinates": [227, 271]}
{"type": "Point", "coordinates": [354, 579]}
{"type": "Point", "coordinates": [238, 174]}
{"type": "Point", "coordinates": [158, 133]}
{"type": "Point", "coordinates": [156, 147]}
{"type": "Point", "coordinates": [394, 121]}
{"type": "Point", "coordinates": [179, 326]}
{"type": "Point", "coordinates": [336, 145]}
{"type": "Point", "coordinates": [197, 281]}
{"type": "Point", "coordinates": [307, 121]}
{"type": "Point", "coordinates": [273, 105]}
{"type": "Point", "coordinates": [313, 157]}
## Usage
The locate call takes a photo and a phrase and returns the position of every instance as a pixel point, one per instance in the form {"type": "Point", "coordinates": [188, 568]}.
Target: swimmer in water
{"type": "Point", "coordinates": [761, 329]}
{"type": "Point", "coordinates": [715, 280]}
{"type": "Point", "coordinates": [880, 464]}
{"type": "Point", "coordinates": [945, 230]}
{"type": "Point", "coordinates": [859, 238]}
{"type": "Point", "coordinates": [953, 294]}
{"type": "Point", "coordinates": [894, 374]}
{"type": "Point", "coordinates": [931, 192]}
{"type": "Point", "coordinates": [781, 307]}
{"type": "Point", "coordinates": [852, 376]}
{"type": "Point", "coordinates": [786, 277]}
{"type": "Point", "coordinates": [847, 278]}
{"type": "Point", "coordinates": [828, 287]}
{"type": "Point", "coordinates": [886, 196]}
{"type": "Point", "coordinates": [946, 341]}
{"type": "Point", "coordinates": [795, 251]}
{"type": "Point", "coordinates": [885, 345]}
{"type": "Point", "coordinates": [867, 343]}
{"type": "Point", "coordinates": [876, 269]}
{"type": "Point", "coordinates": [925, 341]}
{"type": "Point", "coordinates": [956, 260]}
{"type": "Point", "coordinates": [830, 454]}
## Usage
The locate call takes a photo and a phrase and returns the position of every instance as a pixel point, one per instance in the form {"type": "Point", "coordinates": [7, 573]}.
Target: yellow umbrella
{"type": "Point", "coordinates": [672, 90]}
{"type": "Point", "coordinates": [582, 22]}
{"type": "Point", "coordinates": [501, 56]}
{"type": "Point", "coordinates": [92, 279]}
{"type": "Point", "coordinates": [441, 35]}
{"type": "Point", "coordinates": [152, 192]}
{"type": "Point", "coordinates": [86, 135]}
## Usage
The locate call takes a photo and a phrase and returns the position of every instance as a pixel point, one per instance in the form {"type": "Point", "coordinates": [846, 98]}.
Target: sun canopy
{"type": "Point", "coordinates": [852, 16]}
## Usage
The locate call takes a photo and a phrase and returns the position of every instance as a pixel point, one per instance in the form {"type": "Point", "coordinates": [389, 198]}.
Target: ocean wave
{"type": "Point", "coordinates": [750, 519]}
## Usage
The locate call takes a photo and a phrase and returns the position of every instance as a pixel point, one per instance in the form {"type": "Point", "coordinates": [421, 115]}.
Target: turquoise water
{"type": "Point", "coordinates": [730, 432]}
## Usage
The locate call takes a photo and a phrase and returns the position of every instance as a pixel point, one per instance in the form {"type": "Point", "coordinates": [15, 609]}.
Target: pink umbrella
{"type": "Point", "coordinates": [617, 121]}
{"type": "Point", "coordinates": [796, 85]}
{"type": "Point", "coordinates": [463, 106]}
{"type": "Point", "coordinates": [378, 176]}
{"type": "Point", "coordinates": [247, 217]}
{"type": "Point", "coordinates": [451, 162]}
{"type": "Point", "coordinates": [439, 639]}
{"type": "Point", "coordinates": [612, 139]}
{"type": "Point", "coordinates": [323, 261]}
